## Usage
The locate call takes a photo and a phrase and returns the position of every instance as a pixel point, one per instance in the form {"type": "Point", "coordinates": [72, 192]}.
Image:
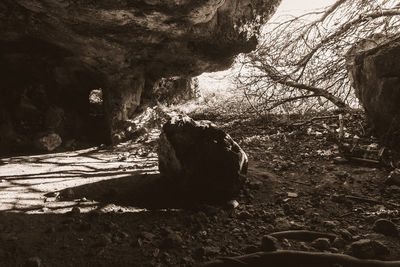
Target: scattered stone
{"type": "Point", "coordinates": [385, 227]}
{"type": "Point", "coordinates": [269, 243]}
{"type": "Point", "coordinates": [282, 224]}
{"type": "Point", "coordinates": [156, 252]}
{"type": "Point", "coordinates": [333, 250]}
{"type": "Point", "coordinates": [44, 209]}
{"type": "Point", "coordinates": [74, 211]}
{"type": "Point", "coordinates": [368, 249]}
{"type": "Point", "coordinates": [321, 243]}
{"type": "Point", "coordinates": [232, 204]}
{"type": "Point", "coordinates": [137, 243]}
{"type": "Point", "coordinates": [216, 170]}
{"type": "Point", "coordinates": [345, 234]}
{"type": "Point", "coordinates": [33, 262]}
{"type": "Point", "coordinates": [84, 199]}
{"type": "Point", "coordinates": [173, 240]}
{"type": "Point", "coordinates": [119, 236]}
{"type": "Point", "coordinates": [147, 235]}
{"type": "Point", "coordinates": [293, 195]}
{"type": "Point", "coordinates": [331, 224]}
{"type": "Point", "coordinates": [305, 247]}
{"type": "Point", "coordinates": [48, 142]}
{"type": "Point", "coordinates": [338, 243]}
{"type": "Point", "coordinates": [255, 184]}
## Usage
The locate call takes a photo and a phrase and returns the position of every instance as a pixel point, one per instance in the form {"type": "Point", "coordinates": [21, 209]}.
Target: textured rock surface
{"type": "Point", "coordinates": [201, 159]}
{"type": "Point", "coordinates": [70, 47]}
{"type": "Point", "coordinates": [375, 74]}
{"type": "Point", "coordinates": [174, 90]}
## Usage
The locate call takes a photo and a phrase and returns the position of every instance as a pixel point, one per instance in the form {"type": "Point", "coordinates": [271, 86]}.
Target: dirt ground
{"type": "Point", "coordinates": [109, 207]}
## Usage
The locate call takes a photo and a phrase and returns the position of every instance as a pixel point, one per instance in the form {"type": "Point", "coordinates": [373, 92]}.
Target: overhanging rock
{"type": "Point", "coordinates": [71, 47]}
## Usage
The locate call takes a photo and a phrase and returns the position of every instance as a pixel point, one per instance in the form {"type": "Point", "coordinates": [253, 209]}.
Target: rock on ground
{"type": "Point", "coordinates": [375, 75]}
{"type": "Point", "coordinates": [201, 159]}
{"type": "Point", "coordinates": [48, 142]}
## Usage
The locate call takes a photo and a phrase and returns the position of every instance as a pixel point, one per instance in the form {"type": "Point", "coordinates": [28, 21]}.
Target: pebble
{"type": "Point", "coordinates": [244, 215]}
{"type": "Point", "coordinates": [331, 224]}
{"type": "Point", "coordinates": [211, 250]}
{"type": "Point", "coordinates": [269, 243]}
{"type": "Point", "coordinates": [385, 227]}
{"type": "Point", "coordinates": [147, 235]}
{"type": "Point", "coordinates": [232, 204]}
{"type": "Point", "coordinates": [33, 262]}
{"type": "Point", "coordinates": [173, 240]}
{"type": "Point", "coordinates": [321, 243]}
{"type": "Point", "coordinates": [345, 234]}
{"type": "Point", "coordinates": [368, 249]}
{"type": "Point", "coordinates": [282, 224]}
{"type": "Point", "coordinates": [338, 243]}
{"type": "Point", "coordinates": [255, 184]}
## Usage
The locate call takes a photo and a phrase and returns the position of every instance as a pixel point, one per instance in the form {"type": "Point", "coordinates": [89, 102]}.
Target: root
{"type": "Point", "coordinates": [291, 258]}
{"type": "Point", "coordinates": [302, 235]}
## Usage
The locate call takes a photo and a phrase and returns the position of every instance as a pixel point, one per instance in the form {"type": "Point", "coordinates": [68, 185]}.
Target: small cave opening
{"type": "Point", "coordinates": [45, 101]}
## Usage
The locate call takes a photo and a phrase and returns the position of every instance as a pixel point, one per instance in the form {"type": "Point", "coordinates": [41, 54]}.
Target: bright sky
{"type": "Point", "coordinates": [295, 7]}
{"type": "Point", "coordinates": [220, 80]}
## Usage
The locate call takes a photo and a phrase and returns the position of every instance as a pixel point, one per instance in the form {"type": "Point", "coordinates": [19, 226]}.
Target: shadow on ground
{"type": "Point", "coordinates": [143, 190]}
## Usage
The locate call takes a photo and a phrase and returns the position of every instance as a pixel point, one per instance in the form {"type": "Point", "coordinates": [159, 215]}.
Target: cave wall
{"type": "Point", "coordinates": [375, 75]}
{"type": "Point", "coordinates": [69, 47]}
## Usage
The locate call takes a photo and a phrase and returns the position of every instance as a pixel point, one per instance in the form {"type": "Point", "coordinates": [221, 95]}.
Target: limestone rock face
{"type": "Point", "coordinates": [70, 47]}
{"type": "Point", "coordinates": [202, 160]}
{"type": "Point", "coordinates": [375, 74]}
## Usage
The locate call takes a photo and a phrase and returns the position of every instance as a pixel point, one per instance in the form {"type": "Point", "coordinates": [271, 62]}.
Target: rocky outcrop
{"type": "Point", "coordinates": [69, 47]}
{"type": "Point", "coordinates": [203, 161]}
{"type": "Point", "coordinates": [375, 75]}
{"type": "Point", "coordinates": [174, 90]}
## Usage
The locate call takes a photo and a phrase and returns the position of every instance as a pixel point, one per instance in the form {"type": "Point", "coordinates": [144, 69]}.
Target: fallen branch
{"type": "Point", "coordinates": [365, 160]}
{"type": "Point", "coordinates": [302, 235]}
{"type": "Point", "coordinates": [314, 119]}
{"type": "Point", "coordinates": [369, 200]}
{"type": "Point", "coordinates": [290, 258]}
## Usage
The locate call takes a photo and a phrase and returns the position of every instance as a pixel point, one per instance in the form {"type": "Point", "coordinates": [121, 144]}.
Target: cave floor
{"type": "Point", "coordinates": [106, 206]}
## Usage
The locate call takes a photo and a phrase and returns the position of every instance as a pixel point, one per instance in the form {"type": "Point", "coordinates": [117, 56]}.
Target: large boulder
{"type": "Point", "coordinates": [375, 75]}
{"type": "Point", "coordinates": [70, 47]}
{"type": "Point", "coordinates": [201, 160]}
